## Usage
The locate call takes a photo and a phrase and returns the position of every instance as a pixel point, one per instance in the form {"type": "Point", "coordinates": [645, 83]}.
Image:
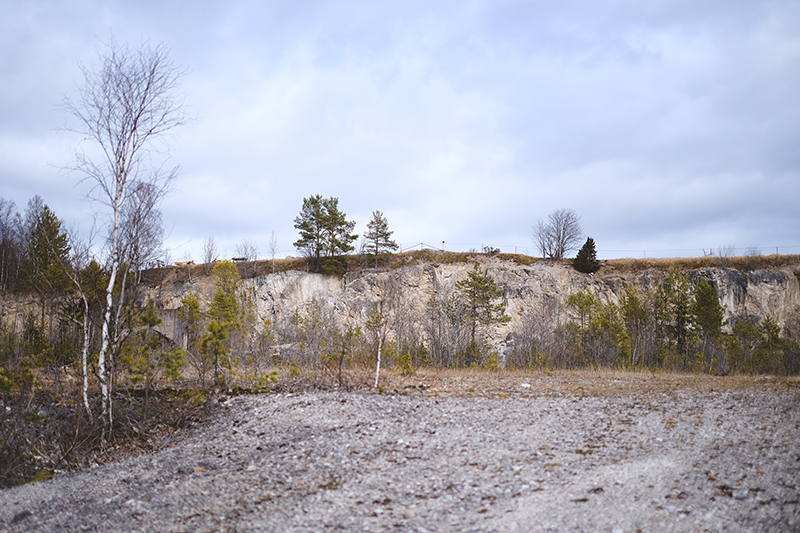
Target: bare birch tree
{"type": "Point", "coordinates": [378, 325]}
{"type": "Point", "coordinates": [125, 109]}
{"type": "Point", "coordinates": [273, 249]}
{"type": "Point", "coordinates": [210, 251]}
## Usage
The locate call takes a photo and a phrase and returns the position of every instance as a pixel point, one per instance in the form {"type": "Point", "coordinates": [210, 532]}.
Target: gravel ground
{"type": "Point", "coordinates": [509, 453]}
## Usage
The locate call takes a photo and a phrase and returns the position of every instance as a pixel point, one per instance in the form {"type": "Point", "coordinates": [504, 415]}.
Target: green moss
{"type": "Point", "coordinates": [43, 474]}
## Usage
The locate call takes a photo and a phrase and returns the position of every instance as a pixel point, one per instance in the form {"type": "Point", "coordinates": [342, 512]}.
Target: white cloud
{"type": "Point", "coordinates": [667, 125]}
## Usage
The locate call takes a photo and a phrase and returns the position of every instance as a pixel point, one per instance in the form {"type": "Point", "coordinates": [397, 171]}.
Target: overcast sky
{"type": "Point", "coordinates": [670, 127]}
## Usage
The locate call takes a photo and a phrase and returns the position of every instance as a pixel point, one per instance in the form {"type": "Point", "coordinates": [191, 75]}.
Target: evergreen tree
{"type": "Point", "coordinates": [190, 315]}
{"type": "Point", "coordinates": [224, 307]}
{"type": "Point", "coordinates": [48, 256]}
{"type": "Point", "coordinates": [708, 317]}
{"type": "Point", "coordinates": [379, 237]}
{"type": "Point", "coordinates": [192, 325]}
{"type": "Point", "coordinates": [325, 231]}
{"type": "Point", "coordinates": [637, 314]}
{"type": "Point", "coordinates": [479, 292]}
{"type": "Point", "coordinates": [212, 346]}
{"type": "Point", "coordinates": [706, 309]}
{"type": "Point", "coordinates": [224, 313]}
{"type": "Point", "coordinates": [676, 324]}
{"type": "Point", "coordinates": [586, 260]}
{"type": "Point", "coordinates": [147, 358]}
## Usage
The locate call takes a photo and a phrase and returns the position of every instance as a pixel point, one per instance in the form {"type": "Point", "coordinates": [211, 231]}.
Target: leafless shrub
{"type": "Point", "coordinates": [248, 250]}
{"type": "Point", "coordinates": [752, 255]}
{"type": "Point", "coordinates": [534, 340]}
{"type": "Point", "coordinates": [725, 255]}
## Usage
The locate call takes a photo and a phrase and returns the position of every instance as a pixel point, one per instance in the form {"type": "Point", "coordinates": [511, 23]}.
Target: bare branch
{"type": "Point", "coordinates": [558, 236]}
{"type": "Point", "coordinates": [125, 108]}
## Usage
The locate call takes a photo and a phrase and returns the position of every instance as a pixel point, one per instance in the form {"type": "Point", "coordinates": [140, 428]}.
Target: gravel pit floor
{"type": "Point", "coordinates": [586, 451]}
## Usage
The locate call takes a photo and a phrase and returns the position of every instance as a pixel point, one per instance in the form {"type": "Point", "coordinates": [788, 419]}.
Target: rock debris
{"type": "Point", "coordinates": [625, 456]}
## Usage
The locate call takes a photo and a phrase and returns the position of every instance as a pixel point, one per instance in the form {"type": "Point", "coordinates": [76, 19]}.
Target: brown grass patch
{"type": "Point", "coordinates": [741, 263]}
{"type": "Point", "coordinates": [184, 273]}
{"type": "Point", "coordinates": [589, 382]}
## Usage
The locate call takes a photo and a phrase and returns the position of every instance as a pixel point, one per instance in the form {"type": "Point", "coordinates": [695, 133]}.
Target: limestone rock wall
{"type": "Point", "coordinates": [407, 290]}
{"type": "Point", "coordinates": [750, 295]}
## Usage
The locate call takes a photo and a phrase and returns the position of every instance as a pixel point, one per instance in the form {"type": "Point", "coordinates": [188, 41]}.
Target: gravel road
{"type": "Point", "coordinates": [535, 453]}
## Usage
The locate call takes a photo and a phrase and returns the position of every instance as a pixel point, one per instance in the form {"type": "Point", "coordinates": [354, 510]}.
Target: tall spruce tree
{"type": "Point", "coordinates": [706, 309]}
{"type": "Point", "coordinates": [675, 321]}
{"type": "Point", "coordinates": [224, 315]}
{"type": "Point", "coordinates": [586, 260]}
{"type": "Point", "coordinates": [45, 266]}
{"type": "Point", "coordinates": [709, 317]}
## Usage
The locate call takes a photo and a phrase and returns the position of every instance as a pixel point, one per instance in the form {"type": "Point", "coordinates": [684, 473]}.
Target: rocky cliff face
{"type": "Point", "coordinates": [407, 290]}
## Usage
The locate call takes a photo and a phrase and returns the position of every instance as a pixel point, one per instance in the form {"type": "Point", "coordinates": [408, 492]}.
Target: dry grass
{"type": "Point", "coordinates": [184, 273]}
{"type": "Point", "coordinates": [445, 382]}
{"type": "Point", "coordinates": [741, 263]}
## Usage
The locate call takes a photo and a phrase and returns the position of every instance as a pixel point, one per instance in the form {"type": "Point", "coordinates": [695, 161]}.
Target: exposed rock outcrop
{"type": "Point", "coordinates": [745, 295]}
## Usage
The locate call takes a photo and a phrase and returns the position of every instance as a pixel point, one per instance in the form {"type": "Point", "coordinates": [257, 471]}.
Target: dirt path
{"type": "Point", "coordinates": [454, 453]}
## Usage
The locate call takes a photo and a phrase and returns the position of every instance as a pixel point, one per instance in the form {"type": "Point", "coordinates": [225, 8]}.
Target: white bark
{"type": "Point", "coordinates": [105, 340]}
{"type": "Point", "coordinates": [378, 364]}
{"type": "Point", "coordinates": [85, 354]}
{"type": "Point", "coordinates": [125, 105]}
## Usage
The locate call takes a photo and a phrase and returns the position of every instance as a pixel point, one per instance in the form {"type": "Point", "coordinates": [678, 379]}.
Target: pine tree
{"type": "Point", "coordinates": [708, 316]}
{"type": "Point", "coordinates": [224, 313]}
{"type": "Point", "coordinates": [324, 231]}
{"type": "Point", "coordinates": [479, 292]}
{"type": "Point", "coordinates": [147, 358]}
{"type": "Point", "coordinates": [586, 260]}
{"type": "Point", "coordinates": [48, 256]}
{"type": "Point", "coordinates": [675, 321]}
{"type": "Point", "coordinates": [379, 237]}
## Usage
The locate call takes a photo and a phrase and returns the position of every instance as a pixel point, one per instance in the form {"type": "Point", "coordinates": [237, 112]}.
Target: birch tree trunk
{"type": "Point", "coordinates": [124, 105]}
{"type": "Point", "coordinates": [85, 356]}
{"type": "Point", "coordinates": [102, 356]}
{"type": "Point", "coordinates": [378, 364]}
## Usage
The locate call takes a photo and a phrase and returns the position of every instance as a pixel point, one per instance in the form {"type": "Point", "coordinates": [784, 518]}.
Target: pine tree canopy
{"type": "Point", "coordinates": [324, 229]}
{"type": "Point", "coordinates": [379, 236]}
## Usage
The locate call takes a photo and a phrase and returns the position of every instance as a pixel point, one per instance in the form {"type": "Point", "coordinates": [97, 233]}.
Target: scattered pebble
{"type": "Point", "coordinates": [646, 456]}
